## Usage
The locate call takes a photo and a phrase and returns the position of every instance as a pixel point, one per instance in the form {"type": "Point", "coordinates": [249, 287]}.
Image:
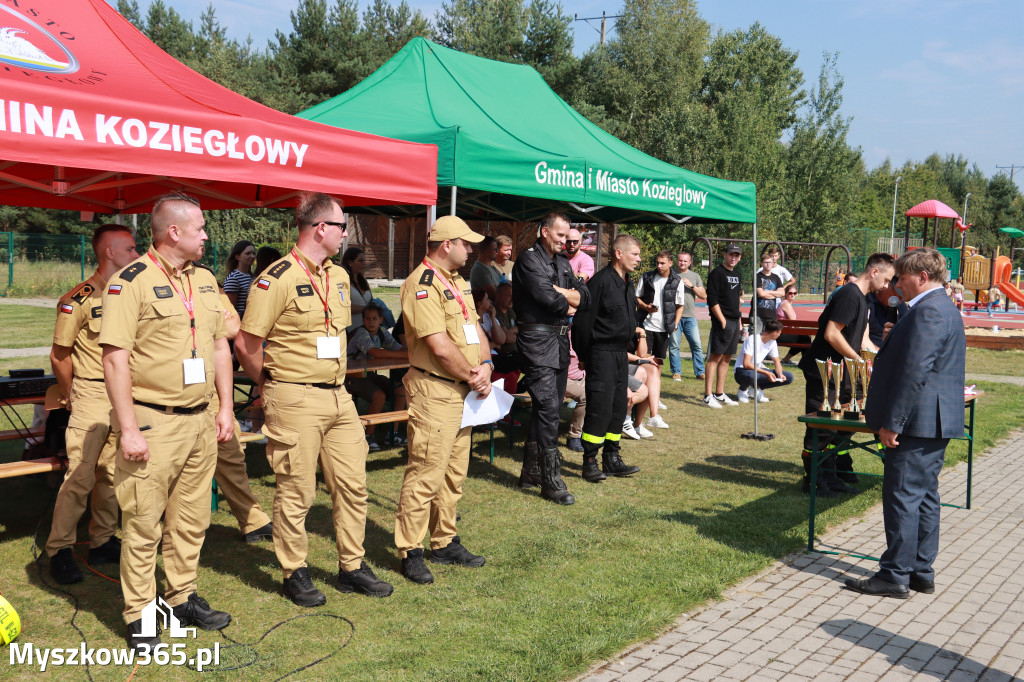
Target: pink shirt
{"type": "Point", "coordinates": [582, 264]}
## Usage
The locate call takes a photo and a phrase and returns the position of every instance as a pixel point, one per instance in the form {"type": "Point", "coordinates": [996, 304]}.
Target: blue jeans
{"type": "Point", "coordinates": [688, 326]}
{"type": "Point", "coordinates": [745, 378]}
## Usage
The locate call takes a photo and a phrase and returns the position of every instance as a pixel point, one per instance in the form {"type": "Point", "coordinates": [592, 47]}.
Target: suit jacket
{"type": "Point", "coordinates": [917, 387]}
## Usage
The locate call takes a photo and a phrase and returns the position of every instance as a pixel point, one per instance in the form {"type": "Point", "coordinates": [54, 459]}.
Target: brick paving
{"type": "Point", "coordinates": [796, 621]}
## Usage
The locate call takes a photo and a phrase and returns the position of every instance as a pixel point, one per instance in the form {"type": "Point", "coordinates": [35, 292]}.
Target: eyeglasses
{"type": "Point", "coordinates": [572, 241]}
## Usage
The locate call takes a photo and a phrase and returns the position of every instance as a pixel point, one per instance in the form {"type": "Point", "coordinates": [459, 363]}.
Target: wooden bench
{"type": "Point", "coordinates": [21, 434]}
{"type": "Point", "coordinates": [384, 418]}
{"type": "Point", "coordinates": [31, 466]}
{"type": "Point", "coordinates": [796, 328]}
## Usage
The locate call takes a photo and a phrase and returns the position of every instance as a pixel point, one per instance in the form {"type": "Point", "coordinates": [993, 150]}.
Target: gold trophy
{"type": "Point", "coordinates": [838, 378]}
{"type": "Point", "coordinates": [825, 370]}
{"type": "Point", "coordinates": [856, 367]}
{"type": "Point", "coordinates": [868, 356]}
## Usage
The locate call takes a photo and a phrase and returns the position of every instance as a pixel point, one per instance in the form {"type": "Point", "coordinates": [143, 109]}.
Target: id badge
{"type": "Point", "coordinates": [471, 336]}
{"type": "Point", "coordinates": [195, 371]}
{"type": "Point", "coordinates": [328, 347]}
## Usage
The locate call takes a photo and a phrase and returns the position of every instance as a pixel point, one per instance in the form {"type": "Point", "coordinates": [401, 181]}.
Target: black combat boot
{"type": "Point", "coordinates": [551, 486]}
{"type": "Point", "coordinates": [844, 468]}
{"type": "Point", "coordinates": [823, 489]}
{"type": "Point", "coordinates": [612, 462]}
{"type": "Point", "coordinates": [530, 476]}
{"type": "Point", "coordinates": [591, 472]}
{"type": "Point", "coordinates": [835, 484]}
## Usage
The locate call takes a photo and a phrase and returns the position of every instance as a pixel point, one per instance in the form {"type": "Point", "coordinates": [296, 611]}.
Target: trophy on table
{"type": "Point", "coordinates": [868, 356]}
{"type": "Point", "coordinates": [858, 369]}
{"type": "Point", "coordinates": [838, 376]}
{"type": "Point", "coordinates": [825, 370]}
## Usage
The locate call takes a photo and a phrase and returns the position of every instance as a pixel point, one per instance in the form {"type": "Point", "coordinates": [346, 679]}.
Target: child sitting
{"type": "Point", "coordinates": [372, 341]}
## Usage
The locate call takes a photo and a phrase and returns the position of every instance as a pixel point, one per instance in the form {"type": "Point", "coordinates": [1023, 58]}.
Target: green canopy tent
{"type": "Point", "coordinates": [514, 150]}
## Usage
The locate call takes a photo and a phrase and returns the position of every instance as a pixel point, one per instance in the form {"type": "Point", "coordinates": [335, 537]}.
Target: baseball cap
{"type": "Point", "coordinates": [733, 248]}
{"type": "Point", "coordinates": [453, 227]}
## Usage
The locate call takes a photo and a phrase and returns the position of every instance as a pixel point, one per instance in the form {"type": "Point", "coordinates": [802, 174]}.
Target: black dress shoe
{"type": "Point", "coordinates": [877, 587]}
{"type": "Point", "coordinates": [921, 585]}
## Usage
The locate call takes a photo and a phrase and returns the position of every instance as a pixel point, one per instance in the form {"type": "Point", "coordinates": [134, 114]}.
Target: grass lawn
{"type": "Point", "coordinates": [26, 326]}
{"type": "Point", "coordinates": [563, 586]}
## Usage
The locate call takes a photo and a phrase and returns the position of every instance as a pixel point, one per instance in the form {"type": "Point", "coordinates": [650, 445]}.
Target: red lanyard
{"type": "Point", "coordinates": [455, 292]}
{"type": "Point", "coordinates": [188, 303]}
{"type": "Point", "coordinates": [327, 284]}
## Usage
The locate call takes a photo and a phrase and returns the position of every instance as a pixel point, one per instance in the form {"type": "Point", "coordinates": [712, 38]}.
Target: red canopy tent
{"type": "Point", "coordinates": [95, 117]}
{"type": "Point", "coordinates": [932, 208]}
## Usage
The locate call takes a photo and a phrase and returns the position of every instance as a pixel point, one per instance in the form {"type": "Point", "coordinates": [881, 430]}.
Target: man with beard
{"type": "Point", "coordinates": [582, 264]}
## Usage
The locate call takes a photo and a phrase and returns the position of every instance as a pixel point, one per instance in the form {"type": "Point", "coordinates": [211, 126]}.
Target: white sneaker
{"type": "Point", "coordinates": [628, 430]}
{"type": "Point", "coordinates": [661, 406]}
{"type": "Point", "coordinates": [644, 432]}
{"type": "Point", "coordinates": [710, 401]}
{"type": "Point", "coordinates": [761, 397]}
{"type": "Point", "coordinates": [725, 400]}
{"type": "Point", "coordinates": [743, 396]}
{"type": "Point", "coordinates": [656, 422]}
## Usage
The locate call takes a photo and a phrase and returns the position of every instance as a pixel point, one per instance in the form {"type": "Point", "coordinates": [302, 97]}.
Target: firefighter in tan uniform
{"type": "Point", "coordinates": [164, 355]}
{"type": "Point", "coordinates": [300, 306]}
{"type": "Point", "coordinates": [450, 356]}
{"type": "Point", "coordinates": [231, 475]}
{"type": "Point", "coordinates": [78, 365]}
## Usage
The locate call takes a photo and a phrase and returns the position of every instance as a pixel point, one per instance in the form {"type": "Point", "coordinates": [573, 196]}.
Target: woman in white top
{"type": "Point", "coordinates": [353, 260]}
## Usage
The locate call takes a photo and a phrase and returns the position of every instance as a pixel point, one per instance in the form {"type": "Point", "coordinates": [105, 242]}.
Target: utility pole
{"type": "Point", "coordinates": [1011, 167]}
{"type": "Point", "coordinates": [604, 22]}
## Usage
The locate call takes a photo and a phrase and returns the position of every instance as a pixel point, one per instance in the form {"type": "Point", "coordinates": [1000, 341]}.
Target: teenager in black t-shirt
{"type": "Point", "coordinates": [724, 303]}
{"type": "Point", "coordinates": [841, 331]}
{"type": "Point", "coordinates": [769, 291]}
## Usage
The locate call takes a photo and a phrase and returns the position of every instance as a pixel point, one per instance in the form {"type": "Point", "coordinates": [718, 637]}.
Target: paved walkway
{"type": "Point", "coordinates": [796, 621]}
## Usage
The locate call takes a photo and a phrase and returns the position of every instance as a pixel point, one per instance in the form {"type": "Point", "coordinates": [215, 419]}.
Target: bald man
{"type": "Point", "coordinates": [582, 265]}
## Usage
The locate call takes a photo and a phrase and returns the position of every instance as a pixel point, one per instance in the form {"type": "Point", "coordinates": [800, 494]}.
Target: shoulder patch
{"type": "Point", "coordinates": [279, 269]}
{"type": "Point", "coordinates": [67, 308]}
{"type": "Point", "coordinates": [162, 292]}
{"type": "Point", "coordinates": [263, 284]}
{"type": "Point", "coordinates": [114, 290]}
{"type": "Point", "coordinates": [421, 294]}
{"type": "Point", "coordinates": [428, 277]}
{"type": "Point", "coordinates": [82, 293]}
{"type": "Point", "coordinates": [304, 290]}
{"type": "Point", "coordinates": [132, 271]}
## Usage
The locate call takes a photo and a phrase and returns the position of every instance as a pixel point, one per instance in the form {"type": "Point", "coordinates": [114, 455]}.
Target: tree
{"type": "Point", "coordinates": [387, 29]}
{"type": "Point", "coordinates": [172, 34]}
{"type": "Point", "coordinates": [821, 164]}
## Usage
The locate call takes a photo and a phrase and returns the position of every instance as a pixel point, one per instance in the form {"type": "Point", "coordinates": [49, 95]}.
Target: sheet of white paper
{"type": "Point", "coordinates": [487, 411]}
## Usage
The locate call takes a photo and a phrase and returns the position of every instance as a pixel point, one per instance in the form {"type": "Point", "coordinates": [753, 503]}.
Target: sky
{"type": "Point", "coordinates": [921, 76]}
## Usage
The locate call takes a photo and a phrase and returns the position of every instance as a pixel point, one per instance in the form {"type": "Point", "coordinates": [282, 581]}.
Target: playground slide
{"type": "Point", "coordinates": [1013, 293]}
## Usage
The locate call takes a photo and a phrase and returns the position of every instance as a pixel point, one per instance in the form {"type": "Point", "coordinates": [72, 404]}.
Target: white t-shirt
{"type": "Point", "coordinates": [654, 321]}
{"type": "Point", "coordinates": [487, 325]}
{"type": "Point", "coordinates": [764, 350]}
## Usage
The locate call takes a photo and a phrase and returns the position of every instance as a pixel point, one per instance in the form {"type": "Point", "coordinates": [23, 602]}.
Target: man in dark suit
{"type": "Point", "coordinates": [915, 402]}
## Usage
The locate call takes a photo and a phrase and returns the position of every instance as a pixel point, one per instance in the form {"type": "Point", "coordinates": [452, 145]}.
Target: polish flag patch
{"type": "Point", "coordinates": [420, 295]}
{"type": "Point", "coordinates": [67, 308]}
{"type": "Point", "coordinates": [114, 290]}
{"type": "Point", "coordinates": [263, 284]}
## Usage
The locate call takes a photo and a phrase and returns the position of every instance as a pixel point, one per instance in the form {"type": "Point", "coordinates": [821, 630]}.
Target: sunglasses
{"type": "Point", "coordinates": [572, 241]}
{"type": "Point", "coordinates": [332, 224]}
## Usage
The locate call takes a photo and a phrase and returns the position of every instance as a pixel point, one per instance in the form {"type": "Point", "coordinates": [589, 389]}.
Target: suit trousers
{"type": "Point", "coordinates": [303, 424]}
{"type": "Point", "coordinates": [233, 481]}
{"type": "Point", "coordinates": [90, 447]}
{"type": "Point", "coordinates": [577, 390]}
{"type": "Point", "coordinates": [546, 386]}
{"type": "Point", "coordinates": [910, 508]}
{"type": "Point", "coordinates": [173, 484]}
{"type": "Point", "coordinates": [438, 462]}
